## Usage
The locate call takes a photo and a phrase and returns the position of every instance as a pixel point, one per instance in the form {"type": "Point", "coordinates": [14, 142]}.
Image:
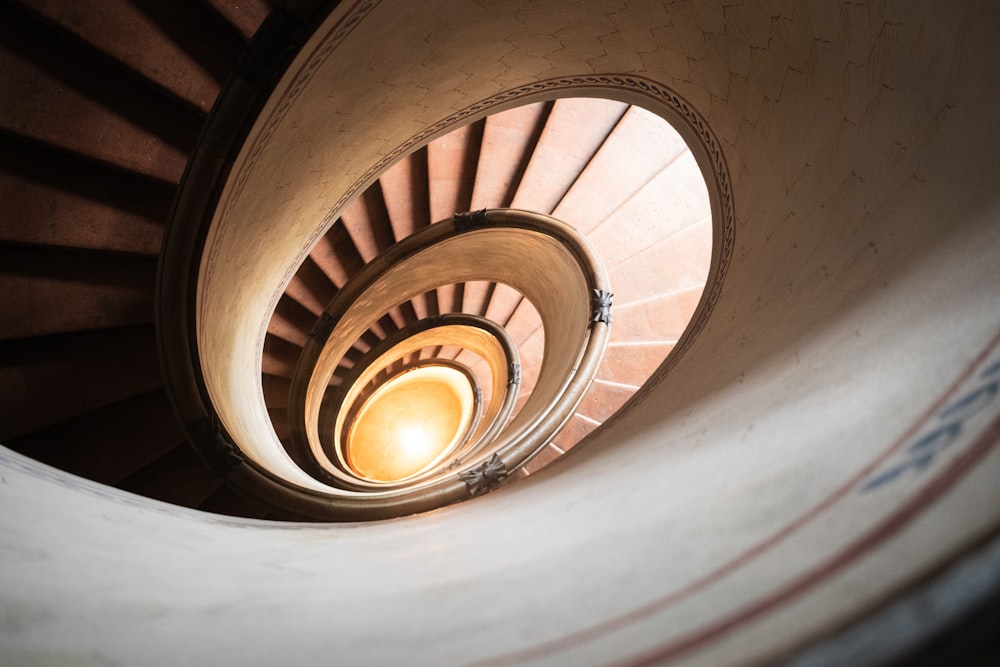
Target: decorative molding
{"type": "Point", "coordinates": [324, 325]}
{"type": "Point", "coordinates": [514, 374]}
{"type": "Point", "coordinates": [471, 220]}
{"type": "Point", "coordinates": [216, 445]}
{"type": "Point", "coordinates": [600, 302]}
{"type": "Point", "coordinates": [485, 477]}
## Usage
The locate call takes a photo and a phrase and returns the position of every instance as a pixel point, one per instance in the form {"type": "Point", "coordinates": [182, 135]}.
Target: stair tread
{"type": "Point", "coordinates": [280, 357]}
{"type": "Point", "coordinates": [366, 219]}
{"type": "Point", "coordinates": [336, 255]}
{"type": "Point", "coordinates": [63, 93]}
{"type": "Point", "coordinates": [508, 141]}
{"type": "Point", "coordinates": [640, 146]}
{"type": "Point", "coordinates": [55, 198]}
{"type": "Point", "coordinates": [291, 321]}
{"type": "Point", "coordinates": [404, 191]}
{"type": "Point", "coordinates": [178, 477]}
{"type": "Point", "coordinates": [574, 131]}
{"type": "Point", "coordinates": [51, 379]}
{"type": "Point", "coordinates": [227, 501]}
{"type": "Point", "coordinates": [663, 207]}
{"type": "Point", "coordinates": [49, 290]}
{"type": "Point", "coordinates": [276, 391]}
{"type": "Point", "coordinates": [311, 287]}
{"type": "Point", "coordinates": [110, 443]}
{"type": "Point", "coordinates": [576, 429]}
{"type": "Point", "coordinates": [245, 15]}
{"type": "Point", "coordinates": [168, 43]}
{"type": "Point", "coordinates": [625, 363]}
{"type": "Point", "coordinates": [451, 170]}
{"type": "Point", "coordinates": [547, 455]}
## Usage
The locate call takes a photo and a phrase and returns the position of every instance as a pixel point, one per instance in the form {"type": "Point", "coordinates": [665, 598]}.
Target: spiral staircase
{"type": "Point", "coordinates": [95, 153]}
{"type": "Point", "coordinates": [787, 450]}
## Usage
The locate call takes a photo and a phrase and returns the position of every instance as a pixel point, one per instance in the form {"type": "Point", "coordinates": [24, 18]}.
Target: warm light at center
{"type": "Point", "coordinates": [410, 423]}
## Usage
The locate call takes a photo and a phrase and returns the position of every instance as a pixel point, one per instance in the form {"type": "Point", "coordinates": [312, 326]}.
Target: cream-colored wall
{"type": "Point", "coordinates": [725, 518]}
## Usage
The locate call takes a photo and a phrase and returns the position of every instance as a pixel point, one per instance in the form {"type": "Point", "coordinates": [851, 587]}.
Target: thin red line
{"type": "Point", "coordinates": [738, 562]}
{"type": "Point", "coordinates": [893, 524]}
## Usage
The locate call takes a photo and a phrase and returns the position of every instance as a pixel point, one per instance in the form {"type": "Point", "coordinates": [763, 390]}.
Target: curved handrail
{"type": "Point", "coordinates": [544, 259]}
{"type": "Point", "coordinates": [481, 336]}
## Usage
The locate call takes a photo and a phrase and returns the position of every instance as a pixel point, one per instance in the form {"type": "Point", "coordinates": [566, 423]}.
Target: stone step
{"type": "Point", "coordinates": [60, 290]}
{"type": "Point", "coordinates": [183, 46]}
{"type": "Point", "coordinates": [178, 477]}
{"type": "Point", "coordinates": [64, 93]}
{"type": "Point", "coordinates": [279, 357]}
{"type": "Point", "coordinates": [574, 132]}
{"type": "Point", "coordinates": [57, 198]}
{"type": "Point", "coordinates": [50, 379]}
{"type": "Point", "coordinates": [508, 142]}
{"type": "Point", "coordinates": [110, 443]}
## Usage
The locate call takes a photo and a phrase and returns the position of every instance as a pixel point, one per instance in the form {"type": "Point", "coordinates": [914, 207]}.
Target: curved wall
{"type": "Point", "coordinates": [826, 440]}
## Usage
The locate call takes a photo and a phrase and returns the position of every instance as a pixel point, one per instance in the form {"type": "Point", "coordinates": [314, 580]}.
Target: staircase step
{"type": "Point", "coordinates": [508, 142]}
{"type": "Point", "coordinates": [404, 190]}
{"type": "Point", "coordinates": [603, 399]}
{"type": "Point", "coordinates": [640, 146]}
{"type": "Point", "coordinates": [451, 170]}
{"type": "Point", "coordinates": [245, 15]}
{"type": "Point", "coordinates": [548, 454]}
{"type": "Point", "coordinates": [522, 398]}
{"type": "Point", "coordinates": [47, 380]}
{"type": "Point", "coordinates": [624, 362]}
{"type": "Point", "coordinates": [61, 92]}
{"type": "Point", "coordinates": [178, 477]}
{"type": "Point", "coordinates": [451, 177]}
{"type": "Point", "coordinates": [183, 45]}
{"type": "Point", "coordinates": [366, 219]}
{"type": "Point", "coordinates": [57, 198]}
{"type": "Point", "coordinates": [576, 429]}
{"type": "Point", "coordinates": [408, 313]}
{"type": "Point", "coordinates": [311, 287]}
{"type": "Point", "coordinates": [276, 391]}
{"type": "Point", "coordinates": [574, 132]}
{"type": "Point", "coordinates": [371, 338]}
{"type": "Point", "coordinates": [352, 357]}
{"type": "Point", "coordinates": [291, 321]}
{"type": "Point", "coordinates": [662, 318]}
{"type": "Point", "coordinates": [663, 207]}
{"type": "Point", "coordinates": [110, 443]}
{"type": "Point", "coordinates": [450, 298]}
{"type": "Point", "coordinates": [523, 323]}
{"type": "Point", "coordinates": [679, 261]}
{"type": "Point", "coordinates": [531, 352]}
{"type": "Point", "coordinates": [226, 501]}
{"type": "Point", "coordinates": [504, 302]}
{"type": "Point", "coordinates": [336, 255]}
{"type": "Point", "coordinates": [280, 357]}
{"type": "Point", "coordinates": [46, 290]}
{"type": "Point", "coordinates": [476, 296]}
{"type": "Point", "coordinates": [279, 420]}
{"type": "Point", "coordinates": [425, 305]}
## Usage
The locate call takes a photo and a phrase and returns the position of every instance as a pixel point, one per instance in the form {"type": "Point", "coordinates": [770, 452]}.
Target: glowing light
{"type": "Point", "coordinates": [410, 423]}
